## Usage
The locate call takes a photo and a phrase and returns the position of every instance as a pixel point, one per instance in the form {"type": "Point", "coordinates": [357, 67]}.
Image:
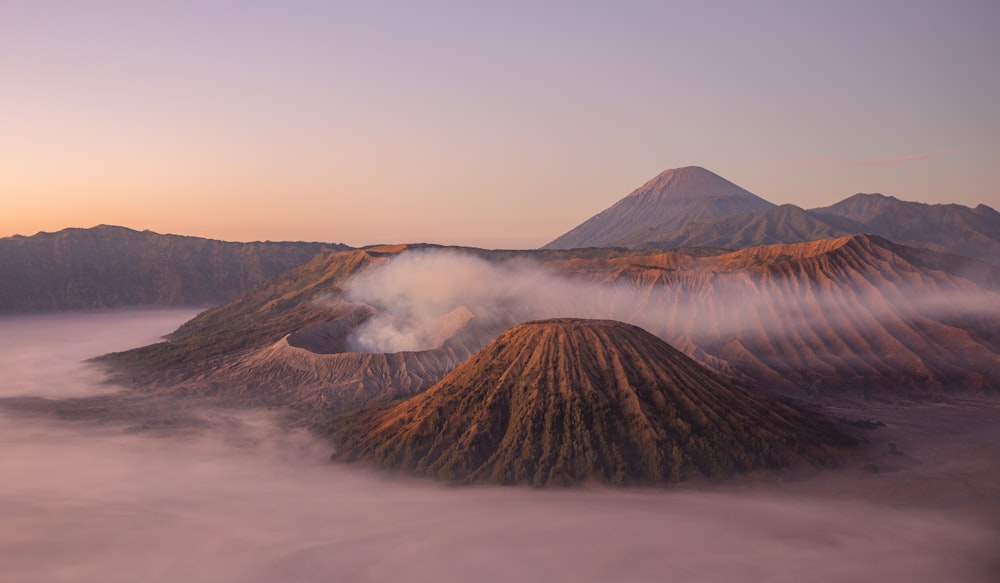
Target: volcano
{"type": "Point", "coordinates": [692, 207]}
{"type": "Point", "coordinates": [567, 401]}
{"type": "Point", "coordinates": [665, 204]}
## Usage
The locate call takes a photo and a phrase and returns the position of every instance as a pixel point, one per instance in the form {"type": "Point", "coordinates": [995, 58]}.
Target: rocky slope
{"type": "Point", "coordinates": [568, 401]}
{"type": "Point", "coordinates": [293, 301]}
{"type": "Point", "coordinates": [782, 224]}
{"type": "Point", "coordinates": [691, 207]}
{"type": "Point", "coordinates": [108, 266]}
{"type": "Point", "coordinates": [852, 317]}
{"type": "Point", "coordinates": [952, 228]}
{"type": "Point", "coordinates": [285, 342]}
{"type": "Point", "coordinates": [849, 316]}
{"type": "Point", "coordinates": [663, 205]}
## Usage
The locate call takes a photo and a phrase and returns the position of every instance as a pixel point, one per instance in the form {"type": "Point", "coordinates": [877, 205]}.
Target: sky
{"type": "Point", "coordinates": [495, 124]}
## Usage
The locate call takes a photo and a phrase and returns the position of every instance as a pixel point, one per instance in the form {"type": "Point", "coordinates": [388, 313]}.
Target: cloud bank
{"type": "Point", "coordinates": [242, 498]}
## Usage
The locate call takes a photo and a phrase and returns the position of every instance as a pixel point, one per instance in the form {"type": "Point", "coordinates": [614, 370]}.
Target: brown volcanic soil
{"type": "Point", "coordinates": [566, 401]}
{"type": "Point", "coordinates": [850, 318]}
{"type": "Point", "coordinates": [855, 315]}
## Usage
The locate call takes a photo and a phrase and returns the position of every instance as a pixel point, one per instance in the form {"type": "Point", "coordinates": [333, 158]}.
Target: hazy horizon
{"type": "Point", "coordinates": [481, 242]}
{"type": "Point", "coordinates": [489, 125]}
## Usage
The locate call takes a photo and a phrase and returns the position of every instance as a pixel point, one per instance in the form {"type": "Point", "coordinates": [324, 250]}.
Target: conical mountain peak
{"type": "Point", "coordinates": [567, 401]}
{"type": "Point", "coordinates": [662, 205]}
{"type": "Point", "coordinates": [692, 182]}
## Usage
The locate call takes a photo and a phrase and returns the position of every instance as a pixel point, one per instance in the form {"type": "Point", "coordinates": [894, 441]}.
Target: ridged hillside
{"type": "Point", "coordinates": [106, 267]}
{"type": "Point", "coordinates": [855, 315]}
{"type": "Point", "coordinates": [952, 228]}
{"type": "Point", "coordinates": [850, 317]}
{"type": "Point", "coordinates": [568, 401]}
{"type": "Point", "coordinates": [663, 205]}
{"type": "Point", "coordinates": [293, 301]}
{"type": "Point", "coordinates": [285, 342]}
{"type": "Point", "coordinates": [782, 224]}
{"type": "Point", "coordinates": [694, 208]}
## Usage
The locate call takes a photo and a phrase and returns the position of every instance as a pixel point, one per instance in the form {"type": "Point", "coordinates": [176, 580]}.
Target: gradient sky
{"type": "Point", "coordinates": [497, 124]}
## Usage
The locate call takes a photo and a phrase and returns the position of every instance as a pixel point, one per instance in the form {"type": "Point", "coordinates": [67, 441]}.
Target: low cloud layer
{"type": "Point", "coordinates": [249, 502]}
{"type": "Point", "coordinates": [243, 499]}
{"type": "Point", "coordinates": [41, 355]}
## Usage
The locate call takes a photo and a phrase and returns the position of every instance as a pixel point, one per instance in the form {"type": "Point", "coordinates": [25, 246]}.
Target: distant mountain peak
{"type": "Point", "coordinates": [872, 195]}
{"type": "Point", "coordinates": [681, 173]}
{"type": "Point", "coordinates": [663, 204]}
{"type": "Point", "coordinates": [691, 182]}
{"type": "Point", "coordinates": [986, 211]}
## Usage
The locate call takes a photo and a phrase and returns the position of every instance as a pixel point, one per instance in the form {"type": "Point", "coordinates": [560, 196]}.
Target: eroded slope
{"type": "Point", "coordinates": [567, 401]}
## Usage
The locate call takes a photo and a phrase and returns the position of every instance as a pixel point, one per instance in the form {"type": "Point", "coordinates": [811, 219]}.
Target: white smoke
{"type": "Point", "coordinates": [417, 291]}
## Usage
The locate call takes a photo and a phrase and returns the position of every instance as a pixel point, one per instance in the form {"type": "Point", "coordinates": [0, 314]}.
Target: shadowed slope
{"type": "Point", "coordinates": [952, 228]}
{"type": "Point", "coordinates": [782, 224]}
{"type": "Point", "coordinates": [110, 266]}
{"type": "Point", "coordinates": [662, 205]}
{"type": "Point", "coordinates": [692, 207]}
{"type": "Point", "coordinates": [291, 302]}
{"type": "Point", "coordinates": [851, 315]}
{"type": "Point", "coordinates": [285, 343]}
{"type": "Point", "coordinates": [566, 401]}
{"type": "Point", "coordinates": [856, 316]}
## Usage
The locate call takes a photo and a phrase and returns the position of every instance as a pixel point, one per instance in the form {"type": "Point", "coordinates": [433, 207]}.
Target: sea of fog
{"type": "Point", "coordinates": [239, 498]}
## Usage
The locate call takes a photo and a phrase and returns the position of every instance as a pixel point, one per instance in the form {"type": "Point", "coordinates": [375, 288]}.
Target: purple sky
{"type": "Point", "coordinates": [494, 124]}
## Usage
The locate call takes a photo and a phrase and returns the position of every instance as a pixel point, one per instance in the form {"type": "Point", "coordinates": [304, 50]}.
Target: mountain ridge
{"type": "Point", "coordinates": [665, 202]}
{"type": "Point", "coordinates": [110, 266]}
{"type": "Point", "coordinates": [683, 219]}
{"type": "Point", "coordinates": [851, 317]}
{"type": "Point", "coordinates": [952, 228]}
{"type": "Point", "coordinates": [570, 401]}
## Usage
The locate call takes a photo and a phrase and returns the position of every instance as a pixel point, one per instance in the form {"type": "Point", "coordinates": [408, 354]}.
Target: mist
{"type": "Point", "coordinates": [240, 496]}
{"type": "Point", "coordinates": [41, 355]}
{"type": "Point", "coordinates": [419, 293]}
